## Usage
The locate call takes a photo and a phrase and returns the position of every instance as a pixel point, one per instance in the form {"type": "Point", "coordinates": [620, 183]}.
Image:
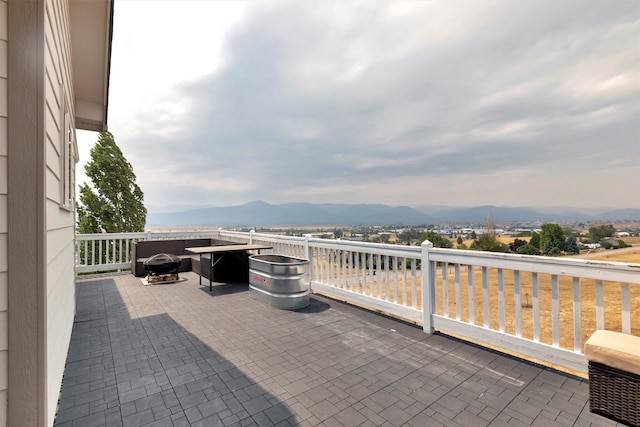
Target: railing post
{"type": "Point", "coordinates": [308, 251]}
{"type": "Point", "coordinates": [219, 230]}
{"type": "Point", "coordinates": [251, 234]}
{"type": "Point", "coordinates": [148, 234]}
{"type": "Point", "coordinates": [428, 284]}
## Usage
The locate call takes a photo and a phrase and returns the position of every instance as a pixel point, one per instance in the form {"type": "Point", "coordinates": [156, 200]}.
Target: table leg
{"type": "Point", "coordinates": [211, 272]}
{"type": "Point", "coordinates": [200, 279]}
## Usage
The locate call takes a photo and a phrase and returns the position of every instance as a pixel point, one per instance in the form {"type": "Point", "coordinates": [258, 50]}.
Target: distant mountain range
{"type": "Point", "coordinates": [259, 213]}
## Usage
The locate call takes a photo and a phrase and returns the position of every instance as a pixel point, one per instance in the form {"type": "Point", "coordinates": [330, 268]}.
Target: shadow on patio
{"type": "Point", "coordinates": [178, 355]}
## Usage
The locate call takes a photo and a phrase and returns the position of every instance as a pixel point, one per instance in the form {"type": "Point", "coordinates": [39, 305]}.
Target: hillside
{"type": "Point", "coordinates": [259, 213]}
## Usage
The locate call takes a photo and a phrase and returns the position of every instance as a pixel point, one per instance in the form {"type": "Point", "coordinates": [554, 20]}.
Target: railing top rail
{"type": "Point", "coordinates": [144, 235]}
{"type": "Point", "coordinates": [589, 269]}
{"type": "Point", "coordinates": [110, 236]}
{"type": "Point", "coordinates": [278, 237]}
{"type": "Point", "coordinates": [368, 247]}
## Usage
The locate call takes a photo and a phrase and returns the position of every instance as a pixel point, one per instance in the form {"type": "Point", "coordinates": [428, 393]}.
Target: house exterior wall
{"type": "Point", "coordinates": [38, 155]}
{"type": "Point", "coordinates": [4, 280]}
{"type": "Point", "coordinates": [60, 217]}
{"type": "Point", "coordinates": [36, 217]}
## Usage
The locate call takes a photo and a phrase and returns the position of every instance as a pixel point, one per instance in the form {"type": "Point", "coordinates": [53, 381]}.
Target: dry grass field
{"type": "Point", "coordinates": [632, 256]}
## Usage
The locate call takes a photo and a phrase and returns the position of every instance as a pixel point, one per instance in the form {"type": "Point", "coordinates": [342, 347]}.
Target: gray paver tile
{"type": "Point", "coordinates": [138, 419]}
{"type": "Point", "coordinates": [187, 362]}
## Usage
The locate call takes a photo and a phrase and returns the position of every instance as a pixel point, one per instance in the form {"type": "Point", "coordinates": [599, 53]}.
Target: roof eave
{"type": "Point", "coordinates": [91, 28]}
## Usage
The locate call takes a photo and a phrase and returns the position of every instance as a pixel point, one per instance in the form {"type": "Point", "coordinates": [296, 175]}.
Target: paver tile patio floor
{"type": "Point", "coordinates": [177, 355]}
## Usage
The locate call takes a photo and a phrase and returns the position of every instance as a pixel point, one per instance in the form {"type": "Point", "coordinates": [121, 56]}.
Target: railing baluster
{"type": "Point", "coordinates": [535, 290]}
{"type": "Point", "coordinates": [384, 278]}
{"type": "Point", "coordinates": [322, 265]}
{"type": "Point", "coordinates": [517, 301]}
{"type": "Point", "coordinates": [471, 295]}
{"type": "Point", "coordinates": [393, 280]}
{"type": "Point", "coordinates": [344, 280]}
{"type": "Point", "coordinates": [626, 308]}
{"type": "Point", "coordinates": [356, 258]}
{"type": "Point", "coordinates": [414, 283]}
{"type": "Point", "coordinates": [555, 309]}
{"type": "Point", "coordinates": [353, 273]}
{"type": "Point", "coordinates": [371, 278]}
{"type": "Point", "coordinates": [501, 326]}
{"type": "Point", "coordinates": [363, 272]}
{"type": "Point", "coordinates": [387, 292]}
{"type": "Point", "coordinates": [458, 297]}
{"type": "Point", "coordinates": [485, 297]}
{"type": "Point", "coordinates": [332, 266]}
{"type": "Point", "coordinates": [445, 289]}
{"type": "Point", "coordinates": [328, 259]}
{"type": "Point", "coordinates": [379, 276]}
{"type": "Point", "coordinates": [577, 320]}
{"type": "Point", "coordinates": [405, 301]}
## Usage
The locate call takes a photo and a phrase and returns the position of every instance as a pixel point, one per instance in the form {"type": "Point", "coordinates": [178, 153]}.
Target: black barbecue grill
{"type": "Point", "coordinates": [161, 265]}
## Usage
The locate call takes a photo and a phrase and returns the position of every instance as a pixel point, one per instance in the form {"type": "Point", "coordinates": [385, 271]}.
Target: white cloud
{"type": "Point", "coordinates": [407, 103]}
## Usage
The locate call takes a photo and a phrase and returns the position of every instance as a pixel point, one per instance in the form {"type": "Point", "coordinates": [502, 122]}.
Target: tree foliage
{"type": "Point", "coordinates": [114, 202]}
{"type": "Point", "coordinates": [571, 245]}
{"type": "Point", "coordinates": [599, 232]}
{"type": "Point", "coordinates": [535, 240]}
{"type": "Point", "coordinates": [516, 244]}
{"type": "Point", "coordinates": [552, 239]}
{"type": "Point", "coordinates": [437, 240]}
{"type": "Point", "coordinates": [623, 244]}
{"type": "Point", "coordinates": [528, 249]}
{"type": "Point", "coordinates": [487, 242]}
{"type": "Point", "coordinates": [410, 235]}
{"type": "Point", "coordinates": [548, 248]}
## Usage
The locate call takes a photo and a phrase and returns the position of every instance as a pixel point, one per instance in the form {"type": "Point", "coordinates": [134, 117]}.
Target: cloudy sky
{"type": "Point", "coordinates": [413, 103]}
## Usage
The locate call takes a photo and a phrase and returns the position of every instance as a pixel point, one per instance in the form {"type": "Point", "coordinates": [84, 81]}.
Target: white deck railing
{"type": "Point", "coordinates": [540, 307]}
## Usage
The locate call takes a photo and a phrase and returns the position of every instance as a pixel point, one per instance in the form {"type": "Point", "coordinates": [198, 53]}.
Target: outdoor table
{"type": "Point", "coordinates": [223, 250]}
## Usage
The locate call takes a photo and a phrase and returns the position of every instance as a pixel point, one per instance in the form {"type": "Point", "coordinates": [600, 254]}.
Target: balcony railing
{"type": "Point", "coordinates": [538, 307]}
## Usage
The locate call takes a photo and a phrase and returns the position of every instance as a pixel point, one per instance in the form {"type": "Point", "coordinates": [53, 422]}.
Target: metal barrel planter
{"type": "Point", "coordinates": [280, 281]}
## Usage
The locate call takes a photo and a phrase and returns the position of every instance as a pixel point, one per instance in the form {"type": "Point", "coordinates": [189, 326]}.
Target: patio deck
{"type": "Point", "coordinates": [177, 355]}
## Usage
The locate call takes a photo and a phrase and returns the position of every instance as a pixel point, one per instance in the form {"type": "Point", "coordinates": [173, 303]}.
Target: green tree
{"type": "Point", "coordinates": [552, 233]}
{"type": "Point", "coordinates": [599, 232]}
{"type": "Point", "coordinates": [528, 249]}
{"type": "Point", "coordinates": [114, 203]}
{"type": "Point", "coordinates": [516, 244]}
{"type": "Point", "coordinates": [488, 242]}
{"type": "Point", "coordinates": [623, 244]}
{"type": "Point", "coordinates": [407, 236]}
{"type": "Point", "coordinates": [437, 240]}
{"type": "Point", "coordinates": [535, 240]}
{"type": "Point", "coordinates": [571, 245]}
{"type": "Point", "coordinates": [548, 248]}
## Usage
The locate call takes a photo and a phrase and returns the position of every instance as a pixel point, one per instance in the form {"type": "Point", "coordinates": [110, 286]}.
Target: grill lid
{"type": "Point", "coordinates": [162, 263]}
